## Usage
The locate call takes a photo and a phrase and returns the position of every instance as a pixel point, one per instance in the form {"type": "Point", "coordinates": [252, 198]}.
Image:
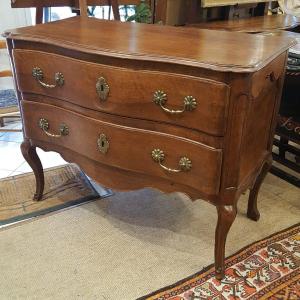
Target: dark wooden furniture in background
{"type": "Point", "coordinates": [254, 24]}
{"type": "Point", "coordinates": [181, 12]}
{"type": "Point", "coordinates": [135, 106]}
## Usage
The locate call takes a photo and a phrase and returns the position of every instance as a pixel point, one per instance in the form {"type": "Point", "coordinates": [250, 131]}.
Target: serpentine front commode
{"type": "Point", "coordinates": [134, 105]}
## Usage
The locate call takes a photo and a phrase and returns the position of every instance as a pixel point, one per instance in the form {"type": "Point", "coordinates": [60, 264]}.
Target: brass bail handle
{"type": "Point", "coordinates": [44, 125]}
{"type": "Point", "coordinates": [185, 164]}
{"type": "Point", "coordinates": [160, 98]}
{"type": "Point", "coordinates": [38, 74]}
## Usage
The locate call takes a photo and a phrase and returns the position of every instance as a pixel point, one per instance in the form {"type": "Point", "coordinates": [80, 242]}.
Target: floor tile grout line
{"type": "Point", "coordinates": [5, 170]}
{"type": "Point", "coordinates": [10, 141]}
{"type": "Point", "coordinates": [15, 170]}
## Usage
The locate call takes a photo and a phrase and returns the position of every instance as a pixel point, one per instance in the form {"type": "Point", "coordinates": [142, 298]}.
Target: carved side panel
{"type": "Point", "coordinates": [257, 131]}
{"type": "Point", "coordinates": [261, 117]}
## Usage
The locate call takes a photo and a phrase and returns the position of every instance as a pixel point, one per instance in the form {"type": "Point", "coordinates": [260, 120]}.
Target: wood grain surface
{"type": "Point", "coordinates": [130, 91]}
{"type": "Point", "coordinates": [215, 50]}
{"type": "Point", "coordinates": [129, 148]}
{"type": "Point", "coordinates": [236, 77]}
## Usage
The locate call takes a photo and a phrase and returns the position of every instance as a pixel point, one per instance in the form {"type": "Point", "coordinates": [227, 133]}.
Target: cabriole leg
{"type": "Point", "coordinates": [30, 155]}
{"type": "Point", "coordinates": [252, 212]}
{"type": "Point", "coordinates": [226, 216]}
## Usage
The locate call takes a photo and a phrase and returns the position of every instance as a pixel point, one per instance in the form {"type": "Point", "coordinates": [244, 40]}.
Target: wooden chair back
{"type": "Point", "coordinates": [4, 73]}
{"type": "Point", "coordinates": [10, 112]}
{"type": "Point", "coordinates": [39, 5]}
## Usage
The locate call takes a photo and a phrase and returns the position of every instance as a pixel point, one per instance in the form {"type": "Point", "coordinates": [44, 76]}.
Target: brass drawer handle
{"type": "Point", "coordinates": [63, 128]}
{"type": "Point", "coordinates": [38, 74]}
{"type": "Point", "coordinates": [102, 88]}
{"type": "Point", "coordinates": [185, 163]}
{"type": "Point", "coordinates": [103, 143]}
{"type": "Point", "coordinates": [160, 98]}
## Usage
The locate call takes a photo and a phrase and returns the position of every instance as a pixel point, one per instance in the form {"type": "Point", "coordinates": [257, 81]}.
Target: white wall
{"type": "Point", "coordinates": [10, 18]}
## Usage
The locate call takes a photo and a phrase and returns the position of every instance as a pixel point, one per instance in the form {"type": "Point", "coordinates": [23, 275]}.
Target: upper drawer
{"type": "Point", "coordinates": [177, 99]}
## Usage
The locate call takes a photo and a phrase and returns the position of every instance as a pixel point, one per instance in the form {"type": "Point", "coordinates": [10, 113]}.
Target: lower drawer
{"type": "Point", "coordinates": [162, 155]}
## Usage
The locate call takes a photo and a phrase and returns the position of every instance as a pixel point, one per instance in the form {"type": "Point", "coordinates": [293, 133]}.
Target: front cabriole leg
{"type": "Point", "coordinates": [226, 216]}
{"type": "Point", "coordinates": [30, 155]}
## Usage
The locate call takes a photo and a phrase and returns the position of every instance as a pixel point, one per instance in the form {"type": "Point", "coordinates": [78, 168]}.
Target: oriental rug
{"type": "Point", "coordinates": [267, 269]}
{"type": "Point", "coordinates": [65, 186]}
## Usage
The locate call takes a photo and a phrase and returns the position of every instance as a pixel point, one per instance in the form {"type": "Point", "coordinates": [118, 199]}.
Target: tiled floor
{"type": "Point", "coordinates": [13, 163]}
{"type": "Point", "coordinates": [11, 159]}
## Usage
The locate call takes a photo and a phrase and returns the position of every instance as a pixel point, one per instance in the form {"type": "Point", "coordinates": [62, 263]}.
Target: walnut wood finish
{"type": "Point", "coordinates": [129, 148]}
{"type": "Point", "coordinates": [130, 91]}
{"type": "Point", "coordinates": [4, 73]}
{"type": "Point", "coordinates": [83, 8]}
{"type": "Point", "coordinates": [191, 134]}
{"type": "Point", "coordinates": [228, 137]}
{"type": "Point", "coordinates": [163, 44]}
{"type": "Point", "coordinates": [290, 34]}
{"type": "Point", "coordinates": [115, 7]}
{"type": "Point", "coordinates": [253, 24]}
{"type": "Point", "coordinates": [252, 212]}
{"type": "Point", "coordinates": [226, 216]}
{"type": "Point", "coordinates": [30, 155]}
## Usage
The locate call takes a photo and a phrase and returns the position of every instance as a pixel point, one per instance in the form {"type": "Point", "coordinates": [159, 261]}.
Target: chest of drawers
{"type": "Point", "coordinates": [149, 106]}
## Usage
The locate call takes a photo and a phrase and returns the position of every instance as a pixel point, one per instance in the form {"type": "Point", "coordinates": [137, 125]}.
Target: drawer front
{"type": "Point", "coordinates": [181, 100]}
{"type": "Point", "coordinates": [126, 148]}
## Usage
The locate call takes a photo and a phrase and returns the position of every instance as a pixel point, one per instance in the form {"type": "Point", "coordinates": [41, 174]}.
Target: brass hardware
{"type": "Point", "coordinates": [271, 76]}
{"type": "Point", "coordinates": [38, 74]}
{"type": "Point", "coordinates": [160, 98]}
{"type": "Point", "coordinates": [103, 143]}
{"type": "Point", "coordinates": [44, 125]}
{"type": "Point", "coordinates": [102, 88]}
{"type": "Point", "coordinates": [185, 163]}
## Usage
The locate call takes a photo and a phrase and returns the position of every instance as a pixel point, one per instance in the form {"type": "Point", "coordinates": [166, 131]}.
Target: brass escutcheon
{"type": "Point", "coordinates": [102, 88]}
{"type": "Point", "coordinates": [103, 143]}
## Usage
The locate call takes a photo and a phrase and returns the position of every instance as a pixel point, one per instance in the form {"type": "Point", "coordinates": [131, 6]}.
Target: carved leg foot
{"type": "Point", "coordinates": [30, 155]}
{"type": "Point", "coordinates": [226, 216]}
{"type": "Point", "coordinates": [252, 212]}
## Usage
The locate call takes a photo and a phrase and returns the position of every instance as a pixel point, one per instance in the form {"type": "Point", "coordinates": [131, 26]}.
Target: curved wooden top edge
{"type": "Point", "coordinates": [152, 57]}
{"type": "Point", "coordinates": [135, 56]}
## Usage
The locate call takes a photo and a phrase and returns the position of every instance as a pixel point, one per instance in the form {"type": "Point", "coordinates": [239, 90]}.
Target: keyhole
{"type": "Point", "coordinates": [102, 88]}
{"type": "Point", "coordinates": [102, 144]}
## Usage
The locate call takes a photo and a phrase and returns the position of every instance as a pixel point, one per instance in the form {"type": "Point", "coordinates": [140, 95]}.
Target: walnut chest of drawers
{"type": "Point", "coordinates": [138, 106]}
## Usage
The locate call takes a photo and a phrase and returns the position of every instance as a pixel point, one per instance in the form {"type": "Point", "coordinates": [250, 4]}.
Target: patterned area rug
{"type": "Point", "coordinates": [64, 186]}
{"type": "Point", "coordinates": [8, 98]}
{"type": "Point", "coordinates": [268, 269]}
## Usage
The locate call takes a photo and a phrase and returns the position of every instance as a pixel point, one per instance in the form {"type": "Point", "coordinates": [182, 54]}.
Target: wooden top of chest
{"type": "Point", "coordinates": [215, 50]}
